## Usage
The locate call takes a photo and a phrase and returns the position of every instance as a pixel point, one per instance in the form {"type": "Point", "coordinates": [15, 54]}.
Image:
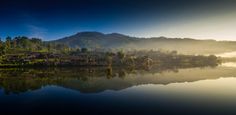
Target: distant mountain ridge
{"type": "Point", "coordinates": [97, 40]}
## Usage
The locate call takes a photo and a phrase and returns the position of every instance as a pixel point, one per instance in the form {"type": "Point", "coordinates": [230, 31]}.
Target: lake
{"type": "Point", "coordinates": [93, 90]}
{"type": "Point", "coordinates": [227, 54]}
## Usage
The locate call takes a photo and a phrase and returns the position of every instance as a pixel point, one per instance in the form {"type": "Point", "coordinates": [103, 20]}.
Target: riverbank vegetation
{"type": "Point", "coordinates": [23, 51]}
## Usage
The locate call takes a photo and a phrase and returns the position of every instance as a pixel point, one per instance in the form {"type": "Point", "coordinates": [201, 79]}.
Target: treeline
{"type": "Point", "coordinates": [23, 43]}
{"type": "Point", "coordinates": [23, 51]}
{"type": "Point", "coordinates": [172, 58]}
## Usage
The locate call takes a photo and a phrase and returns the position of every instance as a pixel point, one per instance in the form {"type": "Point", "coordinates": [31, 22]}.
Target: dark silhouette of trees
{"type": "Point", "coordinates": [84, 50]}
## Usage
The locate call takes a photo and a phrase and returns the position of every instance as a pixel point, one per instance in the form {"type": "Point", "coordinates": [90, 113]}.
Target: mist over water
{"type": "Point", "coordinates": [227, 54]}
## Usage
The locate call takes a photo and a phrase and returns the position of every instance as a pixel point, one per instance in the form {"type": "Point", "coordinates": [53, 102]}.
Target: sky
{"type": "Point", "coordinates": [54, 19]}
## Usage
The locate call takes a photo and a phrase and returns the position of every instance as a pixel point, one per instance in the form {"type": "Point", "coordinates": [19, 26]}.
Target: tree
{"type": "Point", "coordinates": [24, 42]}
{"type": "Point", "coordinates": [8, 42]}
{"type": "Point", "coordinates": [109, 58]}
{"type": "Point", "coordinates": [49, 47]}
{"type": "Point", "coordinates": [78, 49]}
{"type": "Point", "coordinates": [2, 48]}
{"type": "Point", "coordinates": [14, 44]}
{"type": "Point", "coordinates": [121, 56]}
{"type": "Point", "coordinates": [84, 50]}
{"type": "Point", "coordinates": [36, 40]}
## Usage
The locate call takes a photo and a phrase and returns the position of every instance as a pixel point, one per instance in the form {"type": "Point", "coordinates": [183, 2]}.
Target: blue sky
{"type": "Point", "coordinates": [54, 19]}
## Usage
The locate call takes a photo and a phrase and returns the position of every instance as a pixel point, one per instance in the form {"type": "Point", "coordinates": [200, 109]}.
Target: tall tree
{"type": "Point", "coordinates": [8, 43]}
{"type": "Point", "coordinates": [14, 43]}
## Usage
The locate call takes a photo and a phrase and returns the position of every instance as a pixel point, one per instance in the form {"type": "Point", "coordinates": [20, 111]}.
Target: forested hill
{"type": "Point", "coordinates": [96, 40]}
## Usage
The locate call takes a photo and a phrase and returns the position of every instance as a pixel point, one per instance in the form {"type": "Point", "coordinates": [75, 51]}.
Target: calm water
{"type": "Point", "coordinates": [227, 54]}
{"type": "Point", "coordinates": [209, 90]}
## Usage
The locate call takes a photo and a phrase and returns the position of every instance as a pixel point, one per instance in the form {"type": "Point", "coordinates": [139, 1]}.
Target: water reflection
{"type": "Point", "coordinates": [228, 64]}
{"type": "Point", "coordinates": [118, 90]}
{"type": "Point", "coordinates": [99, 79]}
{"type": "Point", "coordinates": [227, 54]}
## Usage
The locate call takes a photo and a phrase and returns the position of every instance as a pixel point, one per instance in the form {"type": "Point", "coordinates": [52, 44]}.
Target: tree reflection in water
{"type": "Point", "coordinates": [17, 80]}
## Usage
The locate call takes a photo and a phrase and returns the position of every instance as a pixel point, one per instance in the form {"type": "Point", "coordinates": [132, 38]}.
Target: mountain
{"type": "Point", "coordinates": [97, 40]}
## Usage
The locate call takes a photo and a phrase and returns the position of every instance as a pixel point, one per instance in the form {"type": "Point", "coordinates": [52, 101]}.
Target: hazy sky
{"type": "Point", "coordinates": [53, 19]}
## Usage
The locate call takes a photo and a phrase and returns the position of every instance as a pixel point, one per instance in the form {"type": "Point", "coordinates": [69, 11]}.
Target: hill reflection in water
{"type": "Point", "coordinates": [99, 79]}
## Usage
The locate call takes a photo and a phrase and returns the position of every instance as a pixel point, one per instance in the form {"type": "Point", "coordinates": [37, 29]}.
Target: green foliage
{"type": "Point", "coordinates": [23, 44]}
{"type": "Point", "coordinates": [8, 43]}
{"type": "Point", "coordinates": [121, 54]}
{"type": "Point", "coordinates": [24, 51]}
